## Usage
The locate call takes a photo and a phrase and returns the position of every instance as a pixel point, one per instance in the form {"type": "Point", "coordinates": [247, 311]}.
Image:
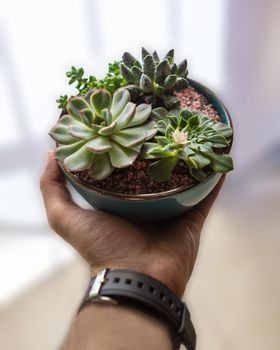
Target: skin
{"type": "Point", "coordinates": [165, 251]}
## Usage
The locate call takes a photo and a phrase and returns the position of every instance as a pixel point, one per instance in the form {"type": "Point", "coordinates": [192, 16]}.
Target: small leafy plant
{"type": "Point", "coordinates": [155, 80]}
{"type": "Point", "coordinates": [102, 133]}
{"type": "Point", "coordinates": [112, 81]}
{"type": "Point", "coordinates": [190, 137]}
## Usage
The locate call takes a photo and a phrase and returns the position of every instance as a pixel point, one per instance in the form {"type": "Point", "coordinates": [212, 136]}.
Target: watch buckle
{"type": "Point", "coordinates": [99, 280]}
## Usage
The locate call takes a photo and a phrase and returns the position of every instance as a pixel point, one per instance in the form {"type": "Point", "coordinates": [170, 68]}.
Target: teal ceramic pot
{"type": "Point", "coordinates": [159, 206]}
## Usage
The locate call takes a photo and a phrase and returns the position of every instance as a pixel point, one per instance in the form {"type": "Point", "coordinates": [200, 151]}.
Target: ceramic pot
{"type": "Point", "coordinates": [158, 206]}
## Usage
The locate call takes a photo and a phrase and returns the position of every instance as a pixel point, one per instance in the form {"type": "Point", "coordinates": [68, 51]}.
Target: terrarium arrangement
{"type": "Point", "coordinates": [145, 139]}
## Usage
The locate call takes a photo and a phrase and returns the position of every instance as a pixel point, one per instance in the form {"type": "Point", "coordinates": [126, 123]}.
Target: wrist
{"type": "Point", "coordinates": [151, 295]}
{"type": "Point", "coordinates": [101, 326]}
{"type": "Point", "coordinates": [164, 270]}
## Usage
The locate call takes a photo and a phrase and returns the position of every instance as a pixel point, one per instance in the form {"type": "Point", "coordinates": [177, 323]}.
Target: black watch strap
{"type": "Point", "coordinates": [146, 292]}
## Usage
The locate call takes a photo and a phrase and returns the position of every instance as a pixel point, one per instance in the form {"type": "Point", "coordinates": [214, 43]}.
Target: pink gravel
{"type": "Point", "coordinates": [191, 98]}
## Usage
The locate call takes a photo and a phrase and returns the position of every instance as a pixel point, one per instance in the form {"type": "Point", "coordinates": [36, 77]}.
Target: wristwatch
{"type": "Point", "coordinates": [147, 293]}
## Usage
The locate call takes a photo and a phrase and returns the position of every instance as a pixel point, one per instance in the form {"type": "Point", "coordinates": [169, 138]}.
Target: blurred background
{"type": "Point", "coordinates": [233, 47]}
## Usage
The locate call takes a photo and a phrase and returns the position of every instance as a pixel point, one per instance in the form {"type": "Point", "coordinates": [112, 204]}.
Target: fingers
{"type": "Point", "coordinates": [195, 217]}
{"type": "Point", "coordinates": [57, 199]}
{"type": "Point", "coordinates": [205, 205]}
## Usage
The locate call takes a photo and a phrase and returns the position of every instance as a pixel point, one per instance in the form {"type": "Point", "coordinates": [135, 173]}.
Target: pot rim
{"type": "Point", "coordinates": [148, 196]}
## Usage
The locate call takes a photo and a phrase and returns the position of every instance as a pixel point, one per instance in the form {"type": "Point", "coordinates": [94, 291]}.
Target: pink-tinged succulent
{"type": "Point", "coordinates": [102, 132]}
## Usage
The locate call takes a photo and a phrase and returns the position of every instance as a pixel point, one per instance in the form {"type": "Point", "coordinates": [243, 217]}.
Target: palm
{"type": "Point", "coordinates": [166, 251]}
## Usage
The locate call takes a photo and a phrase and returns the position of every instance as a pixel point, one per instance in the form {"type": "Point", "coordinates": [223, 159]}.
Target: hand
{"type": "Point", "coordinates": [165, 251]}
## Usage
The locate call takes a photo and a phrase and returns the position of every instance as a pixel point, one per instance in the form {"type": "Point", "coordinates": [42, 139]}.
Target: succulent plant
{"type": "Point", "coordinates": [155, 79]}
{"type": "Point", "coordinates": [185, 135]}
{"type": "Point", "coordinates": [101, 132]}
{"type": "Point", "coordinates": [111, 82]}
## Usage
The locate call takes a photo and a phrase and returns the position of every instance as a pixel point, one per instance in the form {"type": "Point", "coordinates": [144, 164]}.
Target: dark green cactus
{"type": "Point", "coordinates": [155, 79]}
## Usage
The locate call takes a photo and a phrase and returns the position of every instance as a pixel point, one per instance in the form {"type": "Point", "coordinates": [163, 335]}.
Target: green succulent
{"type": "Point", "coordinates": [111, 82]}
{"type": "Point", "coordinates": [185, 135]}
{"type": "Point", "coordinates": [62, 101]}
{"type": "Point", "coordinates": [102, 132]}
{"type": "Point", "coordinates": [155, 79]}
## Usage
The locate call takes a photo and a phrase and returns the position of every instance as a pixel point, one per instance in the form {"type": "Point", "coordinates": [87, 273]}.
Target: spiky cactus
{"type": "Point", "coordinates": [191, 137]}
{"type": "Point", "coordinates": [102, 132]}
{"type": "Point", "coordinates": [155, 79]}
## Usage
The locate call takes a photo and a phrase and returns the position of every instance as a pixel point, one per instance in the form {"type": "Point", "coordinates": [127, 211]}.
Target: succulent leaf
{"type": "Point", "coordinates": [198, 174]}
{"type": "Point", "coordinates": [170, 56]}
{"type": "Point", "coordinates": [159, 113]}
{"type": "Point", "coordinates": [162, 140]}
{"type": "Point", "coordinates": [156, 57]}
{"type": "Point", "coordinates": [87, 116]}
{"type": "Point", "coordinates": [182, 68]}
{"type": "Point", "coordinates": [173, 68]}
{"type": "Point", "coordinates": [134, 92]}
{"type": "Point", "coordinates": [144, 53]}
{"type": "Point", "coordinates": [161, 126]}
{"type": "Point", "coordinates": [100, 144]}
{"type": "Point", "coordinates": [64, 151]}
{"type": "Point", "coordinates": [108, 130]}
{"type": "Point", "coordinates": [137, 72]}
{"type": "Point", "coordinates": [60, 134]}
{"type": "Point", "coordinates": [142, 113]}
{"type": "Point", "coordinates": [107, 115]}
{"type": "Point", "coordinates": [170, 81]}
{"type": "Point", "coordinates": [126, 115]}
{"type": "Point", "coordinates": [75, 105]}
{"type": "Point", "coordinates": [120, 100]}
{"type": "Point", "coordinates": [127, 73]}
{"type": "Point", "coordinates": [121, 156]}
{"type": "Point", "coordinates": [149, 66]}
{"type": "Point", "coordinates": [162, 70]}
{"type": "Point", "coordinates": [79, 160]}
{"type": "Point", "coordinates": [81, 132]}
{"type": "Point", "coordinates": [130, 137]}
{"type": "Point", "coordinates": [181, 84]}
{"type": "Point", "coordinates": [199, 160]}
{"type": "Point", "coordinates": [101, 167]}
{"type": "Point", "coordinates": [99, 100]}
{"type": "Point", "coordinates": [223, 129]}
{"type": "Point", "coordinates": [221, 163]}
{"type": "Point", "coordinates": [162, 169]}
{"type": "Point", "coordinates": [130, 60]}
{"type": "Point", "coordinates": [146, 83]}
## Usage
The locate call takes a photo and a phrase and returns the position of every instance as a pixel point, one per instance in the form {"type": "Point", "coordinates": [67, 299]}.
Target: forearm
{"type": "Point", "coordinates": [106, 326]}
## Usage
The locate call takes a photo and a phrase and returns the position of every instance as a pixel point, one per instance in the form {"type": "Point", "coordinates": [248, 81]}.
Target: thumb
{"type": "Point", "coordinates": [205, 205]}
{"type": "Point", "coordinates": [57, 199]}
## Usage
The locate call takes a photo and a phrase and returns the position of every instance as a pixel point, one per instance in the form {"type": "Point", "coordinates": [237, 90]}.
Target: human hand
{"type": "Point", "coordinates": [165, 251]}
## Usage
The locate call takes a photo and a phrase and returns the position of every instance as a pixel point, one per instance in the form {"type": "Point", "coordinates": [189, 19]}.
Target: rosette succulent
{"type": "Point", "coordinates": [185, 135]}
{"type": "Point", "coordinates": [155, 80]}
{"type": "Point", "coordinates": [101, 132]}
